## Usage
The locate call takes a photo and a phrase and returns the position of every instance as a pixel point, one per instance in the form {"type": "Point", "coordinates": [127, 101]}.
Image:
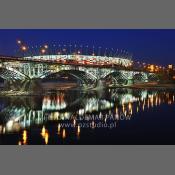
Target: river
{"type": "Point", "coordinates": [105, 116]}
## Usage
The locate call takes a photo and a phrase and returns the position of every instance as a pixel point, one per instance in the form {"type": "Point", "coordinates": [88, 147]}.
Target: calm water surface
{"type": "Point", "coordinates": [110, 116]}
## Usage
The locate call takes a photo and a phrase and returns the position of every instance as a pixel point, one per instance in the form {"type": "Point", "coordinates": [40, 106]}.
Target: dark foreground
{"type": "Point", "coordinates": [110, 116]}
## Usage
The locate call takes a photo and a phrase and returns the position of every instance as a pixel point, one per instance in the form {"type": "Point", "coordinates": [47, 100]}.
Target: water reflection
{"type": "Point", "coordinates": [18, 114]}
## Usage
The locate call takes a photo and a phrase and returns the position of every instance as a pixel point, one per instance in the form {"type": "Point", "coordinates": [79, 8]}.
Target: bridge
{"type": "Point", "coordinates": [25, 73]}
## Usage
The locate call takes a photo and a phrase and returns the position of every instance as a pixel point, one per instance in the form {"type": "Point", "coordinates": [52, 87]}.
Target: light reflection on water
{"type": "Point", "coordinates": [19, 114]}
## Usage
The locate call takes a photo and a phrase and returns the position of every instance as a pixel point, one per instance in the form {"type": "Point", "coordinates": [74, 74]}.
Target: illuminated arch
{"type": "Point", "coordinates": [139, 77]}
{"type": "Point", "coordinates": [153, 77]}
{"type": "Point", "coordinates": [83, 77]}
{"type": "Point", "coordinates": [9, 73]}
{"type": "Point", "coordinates": [117, 78]}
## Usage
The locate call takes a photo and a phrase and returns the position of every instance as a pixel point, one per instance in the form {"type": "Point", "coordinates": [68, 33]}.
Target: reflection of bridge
{"type": "Point", "coordinates": [88, 70]}
{"type": "Point", "coordinates": [61, 107]}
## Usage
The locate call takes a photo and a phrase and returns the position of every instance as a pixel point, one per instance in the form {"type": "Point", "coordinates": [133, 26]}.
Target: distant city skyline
{"type": "Point", "coordinates": [150, 46]}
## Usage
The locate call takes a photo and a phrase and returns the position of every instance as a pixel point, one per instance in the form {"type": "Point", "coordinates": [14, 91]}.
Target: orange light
{"type": "Point", "coordinates": [46, 139]}
{"type": "Point", "coordinates": [24, 136]}
{"type": "Point", "coordinates": [78, 131]}
{"type": "Point", "coordinates": [64, 134]}
{"type": "Point", "coordinates": [43, 132]}
{"type": "Point", "coordinates": [45, 135]}
{"type": "Point", "coordinates": [43, 51]}
{"type": "Point", "coordinates": [23, 48]}
{"type": "Point", "coordinates": [151, 68]}
{"type": "Point", "coordinates": [59, 129]}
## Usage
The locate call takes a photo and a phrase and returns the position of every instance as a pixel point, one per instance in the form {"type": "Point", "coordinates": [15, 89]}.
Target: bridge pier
{"type": "Point", "coordinates": [33, 86]}
{"type": "Point", "coordinates": [130, 82]}
{"type": "Point", "coordinates": [100, 84]}
{"type": "Point", "coordinates": [12, 85]}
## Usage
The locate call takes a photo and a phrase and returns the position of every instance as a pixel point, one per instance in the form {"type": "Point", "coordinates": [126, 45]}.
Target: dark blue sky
{"type": "Point", "coordinates": [151, 46]}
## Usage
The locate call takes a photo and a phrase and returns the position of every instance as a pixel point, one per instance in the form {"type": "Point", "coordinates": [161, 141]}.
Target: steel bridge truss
{"type": "Point", "coordinates": [25, 72]}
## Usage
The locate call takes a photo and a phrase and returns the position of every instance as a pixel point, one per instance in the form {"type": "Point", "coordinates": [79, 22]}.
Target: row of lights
{"type": "Point", "coordinates": [45, 134]}
{"type": "Point", "coordinates": [44, 48]}
{"type": "Point", "coordinates": [24, 48]}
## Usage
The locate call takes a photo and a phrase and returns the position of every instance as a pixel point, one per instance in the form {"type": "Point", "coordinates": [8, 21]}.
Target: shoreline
{"type": "Point", "coordinates": [152, 86]}
{"type": "Point", "coordinates": [4, 93]}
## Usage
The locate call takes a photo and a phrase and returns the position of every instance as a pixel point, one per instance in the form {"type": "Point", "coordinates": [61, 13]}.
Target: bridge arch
{"type": "Point", "coordinates": [8, 73]}
{"type": "Point", "coordinates": [153, 77]}
{"type": "Point", "coordinates": [140, 77]}
{"type": "Point", "coordinates": [84, 78]}
{"type": "Point", "coordinates": [117, 78]}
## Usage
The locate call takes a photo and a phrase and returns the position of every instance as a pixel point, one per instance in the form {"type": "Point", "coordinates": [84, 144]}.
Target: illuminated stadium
{"type": "Point", "coordinates": [74, 54]}
{"type": "Point", "coordinates": [83, 59]}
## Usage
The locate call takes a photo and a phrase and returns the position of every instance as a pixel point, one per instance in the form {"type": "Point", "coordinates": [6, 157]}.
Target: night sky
{"type": "Point", "coordinates": [150, 46]}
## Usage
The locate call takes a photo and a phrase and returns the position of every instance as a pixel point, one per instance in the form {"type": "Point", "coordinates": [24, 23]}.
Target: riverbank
{"type": "Point", "coordinates": [152, 86]}
{"type": "Point", "coordinates": [48, 90]}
